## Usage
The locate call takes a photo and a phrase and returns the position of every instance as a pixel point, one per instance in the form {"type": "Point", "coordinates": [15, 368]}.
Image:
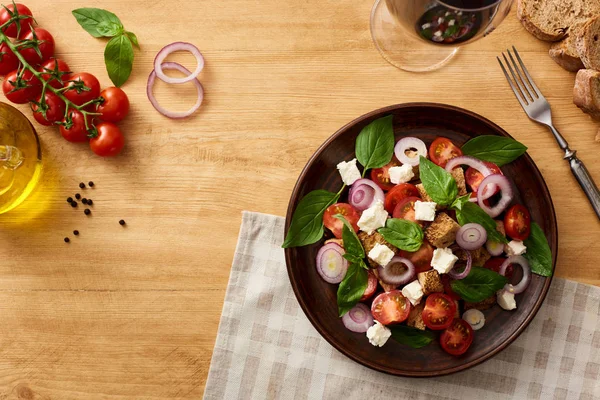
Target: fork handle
{"type": "Point", "coordinates": [585, 180]}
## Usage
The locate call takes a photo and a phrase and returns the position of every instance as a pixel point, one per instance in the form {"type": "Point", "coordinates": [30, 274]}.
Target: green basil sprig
{"type": "Point", "coordinates": [538, 251]}
{"type": "Point", "coordinates": [413, 337]}
{"type": "Point", "coordinates": [307, 222]}
{"type": "Point", "coordinates": [497, 149]}
{"type": "Point", "coordinates": [405, 235]}
{"type": "Point", "coordinates": [352, 245]}
{"type": "Point", "coordinates": [375, 143]}
{"type": "Point", "coordinates": [438, 183]}
{"type": "Point", "coordinates": [467, 212]}
{"type": "Point", "coordinates": [480, 284]}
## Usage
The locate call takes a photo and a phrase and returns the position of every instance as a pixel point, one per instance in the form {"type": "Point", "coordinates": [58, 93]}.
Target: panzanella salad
{"type": "Point", "coordinates": [431, 231]}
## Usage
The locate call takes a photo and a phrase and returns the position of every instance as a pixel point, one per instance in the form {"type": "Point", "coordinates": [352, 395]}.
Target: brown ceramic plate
{"type": "Point", "coordinates": [318, 298]}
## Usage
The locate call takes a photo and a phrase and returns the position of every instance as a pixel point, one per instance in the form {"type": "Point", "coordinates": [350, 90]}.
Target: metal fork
{"type": "Point", "coordinates": [537, 108]}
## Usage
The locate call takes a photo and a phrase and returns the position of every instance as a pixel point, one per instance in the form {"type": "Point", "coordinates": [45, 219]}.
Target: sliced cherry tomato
{"type": "Point", "coordinates": [8, 61]}
{"type": "Point", "coordinates": [390, 307]}
{"type": "Point", "coordinates": [21, 91]}
{"type": "Point", "coordinates": [109, 142]}
{"type": "Point", "coordinates": [25, 23]}
{"type": "Point", "coordinates": [494, 264]}
{"type": "Point", "coordinates": [56, 72]}
{"type": "Point", "coordinates": [405, 209]}
{"type": "Point", "coordinates": [517, 222]}
{"type": "Point", "coordinates": [371, 287]}
{"type": "Point", "coordinates": [81, 88]}
{"type": "Point", "coordinates": [55, 109]}
{"type": "Point", "coordinates": [457, 338]}
{"type": "Point", "coordinates": [447, 288]}
{"type": "Point", "coordinates": [439, 311]}
{"type": "Point", "coordinates": [443, 150]}
{"type": "Point", "coordinates": [381, 176]}
{"type": "Point", "coordinates": [334, 224]}
{"type": "Point", "coordinates": [115, 105]}
{"type": "Point", "coordinates": [398, 193]}
{"type": "Point", "coordinates": [474, 177]}
{"type": "Point", "coordinates": [45, 45]}
{"type": "Point", "coordinates": [75, 131]}
{"type": "Point", "coordinates": [420, 258]}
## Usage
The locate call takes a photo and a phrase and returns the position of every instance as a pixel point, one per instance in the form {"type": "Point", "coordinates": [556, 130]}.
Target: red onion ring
{"type": "Point", "coordinates": [340, 264]}
{"type": "Point", "coordinates": [162, 110]}
{"type": "Point", "coordinates": [364, 193]}
{"type": "Point", "coordinates": [494, 248]}
{"type": "Point", "coordinates": [173, 47]}
{"type": "Point", "coordinates": [408, 143]}
{"type": "Point", "coordinates": [507, 194]}
{"type": "Point", "coordinates": [522, 285]}
{"type": "Point", "coordinates": [462, 275]}
{"type": "Point", "coordinates": [358, 319]}
{"type": "Point", "coordinates": [471, 236]}
{"type": "Point", "coordinates": [388, 274]}
{"type": "Point", "coordinates": [475, 164]}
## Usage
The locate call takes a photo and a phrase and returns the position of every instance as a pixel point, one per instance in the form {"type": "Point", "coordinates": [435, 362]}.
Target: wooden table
{"type": "Point", "coordinates": [132, 313]}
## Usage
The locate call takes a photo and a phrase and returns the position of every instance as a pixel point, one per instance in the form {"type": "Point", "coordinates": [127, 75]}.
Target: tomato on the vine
{"type": "Point", "coordinates": [55, 109]}
{"type": "Point", "coordinates": [25, 23]}
{"type": "Point", "coordinates": [56, 72]}
{"type": "Point", "coordinates": [23, 90]}
{"type": "Point", "coordinates": [110, 140]}
{"type": "Point", "coordinates": [82, 87]}
{"type": "Point", "coordinates": [45, 43]}
{"type": "Point", "coordinates": [8, 60]}
{"type": "Point", "coordinates": [73, 128]}
{"type": "Point", "coordinates": [115, 105]}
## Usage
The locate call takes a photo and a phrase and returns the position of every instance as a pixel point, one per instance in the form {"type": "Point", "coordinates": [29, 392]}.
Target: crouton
{"type": "Point", "coordinates": [415, 318]}
{"type": "Point", "coordinates": [482, 305]}
{"type": "Point", "coordinates": [423, 192]}
{"type": "Point", "coordinates": [500, 227]}
{"type": "Point", "coordinates": [442, 232]}
{"type": "Point", "coordinates": [457, 313]}
{"type": "Point", "coordinates": [387, 287]}
{"type": "Point", "coordinates": [369, 241]}
{"type": "Point", "coordinates": [479, 257]}
{"type": "Point", "coordinates": [459, 176]}
{"type": "Point", "coordinates": [431, 282]}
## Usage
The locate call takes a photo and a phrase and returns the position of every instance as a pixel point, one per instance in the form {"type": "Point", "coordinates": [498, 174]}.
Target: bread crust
{"type": "Point", "coordinates": [527, 21]}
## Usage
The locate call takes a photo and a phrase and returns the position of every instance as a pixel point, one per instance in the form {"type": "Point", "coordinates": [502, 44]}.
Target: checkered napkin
{"type": "Point", "coordinates": [267, 349]}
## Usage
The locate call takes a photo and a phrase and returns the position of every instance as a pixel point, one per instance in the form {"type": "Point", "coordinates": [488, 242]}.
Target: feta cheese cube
{"type": "Point", "coordinates": [425, 210]}
{"type": "Point", "coordinates": [447, 13]}
{"type": "Point", "coordinates": [506, 300]}
{"type": "Point", "coordinates": [373, 218]}
{"type": "Point", "coordinates": [438, 33]}
{"type": "Point", "coordinates": [401, 174]}
{"type": "Point", "coordinates": [452, 22]}
{"type": "Point", "coordinates": [440, 20]}
{"type": "Point", "coordinates": [443, 260]}
{"type": "Point", "coordinates": [515, 248]}
{"type": "Point", "coordinates": [349, 171]}
{"type": "Point", "coordinates": [413, 292]}
{"type": "Point", "coordinates": [378, 334]}
{"type": "Point", "coordinates": [425, 26]}
{"type": "Point", "coordinates": [381, 254]}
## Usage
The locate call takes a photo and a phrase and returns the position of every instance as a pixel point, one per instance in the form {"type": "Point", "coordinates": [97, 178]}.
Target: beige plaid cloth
{"type": "Point", "coordinates": [267, 349]}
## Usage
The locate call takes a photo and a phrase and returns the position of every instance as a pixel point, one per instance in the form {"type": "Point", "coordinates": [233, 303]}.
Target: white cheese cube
{"type": "Point", "coordinates": [401, 174]}
{"type": "Point", "coordinates": [452, 22]}
{"type": "Point", "coordinates": [381, 254]}
{"type": "Point", "coordinates": [438, 33]}
{"type": "Point", "coordinates": [425, 210]}
{"type": "Point", "coordinates": [373, 218]}
{"type": "Point", "coordinates": [378, 334]}
{"type": "Point", "coordinates": [515, 248]}
{"type": "Point", "coordinates": [425, 26]}
{"type": "Point", "coordinates": [413, 292]}
{"type": "Point", "coordinates": [349, 171]}
{"type": "Point", "coordinates": [506, 300]}
{"type": "Point", "coordinates": [443, 260]}
{"type": "Point", "coordinates": [440, 20]}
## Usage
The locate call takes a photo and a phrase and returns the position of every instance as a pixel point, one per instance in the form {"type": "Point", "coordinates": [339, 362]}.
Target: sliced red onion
{"type": "Point", "coordinates": [173, 47]}
{"type": "Point", "coordinates": [397, 272]}
{"type": "Point", "coordinates": [331, 264]}
{"type": "Point", "coordinates": [358, 319]}
{"type": "Point", "coordinates": [364, 193]}
{"type": "Point", "coordinates": [471, 236]}
{"type": "Point", "coordinates": [162, 110]}
{"type": "Point", "coordinates": [409, 143]}
{"type": "Point", "coordinates": [494, 248]}
{"type": "Point", "coordinates": [507, 194]}
{"type": "Point", "coordinates": [462, 275]}
{"type": "Point", "coordinates": [475, 164]}
{"type": "Point", "coordinates": [522, 285]}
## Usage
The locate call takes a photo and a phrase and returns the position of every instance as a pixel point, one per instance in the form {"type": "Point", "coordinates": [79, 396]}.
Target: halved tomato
{"type": "Point", "coordinates": [457, 338]}
{"type": "Point", "coordinates": [474, 177]}
{"type": "Point", "coordinates": [405, 209]}
{"type": "Point", "coordinates": [439, 311]}
{"type": "Point", "coordinates": [448, 289]}
{"type": "Point", "coordinates": [494, 264]}
{"type": "Point", "coordinates": [443, 150]}
{"type": "Point", "coordinates": [420, 258]}
{"type": "Point", "coordinates": [381, 176]}
{"type": "Point", "coordinates": [390, 307]}
{"type": "Point", "coordinates": [398, 193]}
{"type": "Point", "coordinates": [334, 224]}
{"type": "Point", "coordinates": [371, 286]}
{"type": "Point", "coordinates": [517, 222]}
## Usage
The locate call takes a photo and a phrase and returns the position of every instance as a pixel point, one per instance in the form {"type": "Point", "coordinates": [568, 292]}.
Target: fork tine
{"type": "Point", "coordinates": [531, 82]}
{"type": "Point", "coordinates": [516, 91]}
{"type": "Point", "coordinates": [531, 92]}
{"type": "Point", "coordinates": [524, 91]}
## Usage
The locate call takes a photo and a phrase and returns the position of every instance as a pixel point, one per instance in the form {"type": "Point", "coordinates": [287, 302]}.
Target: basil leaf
{"type": "Point", "coordinates": [118, 57]}
{"type": "Point", "coordinates": [90, 18]}
{"type": "Point", "coordinates": [307, 222]}
{"type": "Point", "coordinates": [351, 288]}
{"type": "Point", "coordinates": [459, 202]}
{"type": "Point", "coordinates": [497, 149]}
{"type": "Point", "coordinates": [133, 39]}
{"type": "Point", "coordinates": [413, 337]}
{"type": "Point", "coordinates": [375, 143]}
{"type": "Point", "coordinates": [480, 284]}
{"type": "Point", "coordinates": [472, 213]}
{"type": "Point", "coordinates": [352, 244]}
{"type": "Point", "coordinates": [538, 251]}
{"type": "Point", "coordinates": [109, 28]}
{"type": "Point", "coordinates": [439, 183]}
{"type": "Point", "coordinates": [405, 235]}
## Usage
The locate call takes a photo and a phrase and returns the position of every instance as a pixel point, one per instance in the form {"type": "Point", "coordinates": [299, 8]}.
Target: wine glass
{"type": "Point", "coordinates": [423, 35]}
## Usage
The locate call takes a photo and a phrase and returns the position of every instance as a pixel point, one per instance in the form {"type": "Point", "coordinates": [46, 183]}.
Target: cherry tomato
{"type": "Point", "coordinates": [457, 338]}
{"type": "Point", "coordinates": [110, 140]}
{"type": "Point", "coordinates": [517, 222]}
{"type": "Point", "coordinates": [405, 209]}
{"type": "Point", "coordinates": [474, 177]}
{"type": "Point", "coordinates": [443, 150]}
{"type": "Point", "coordinates": [439, 311]}
{"type": "Point", "coordinates": [115, 106]}
{"type": "Point", "coordinates": [420, 258]}
{"type": "Point", "coordinates": [11, 30]}
{"type": "Point", "coordinates": [494, 264]}
{"type": "Point", "coordinates": [448, 288]}
{"type": "Point", "coordinates": [76, 132]}
{"type": "Point", "coordinates": [381, 175]}
{"type": "Point", "coordinates": [398, 193]}
{"type": "Point", "coordinates": [82, 87]}
{"type": "Point", "coordinates": [334, 224]}
{"type": "Point", "coordinates": [53, 67]}
{"type": "Point", "coordinates": [46, 46]}
{"type": "Point", "coordinates": [390, 307]}
{"type": "Point", "coordinates": [8, 61]}
{"type": "Point", "coordinates": [371, 287]}
{"type": "Point", "coordinates": [27, 88]}
{"type": "Point", "coordinates": [55, 109]}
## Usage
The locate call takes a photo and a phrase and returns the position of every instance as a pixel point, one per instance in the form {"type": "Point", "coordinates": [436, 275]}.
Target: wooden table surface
{"type": "Point", "coordinates": [132, 313]}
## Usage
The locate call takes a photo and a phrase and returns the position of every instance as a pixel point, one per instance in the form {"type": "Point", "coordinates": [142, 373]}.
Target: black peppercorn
{"type": "Point", "coordinates": [75, 232]}
{"type": "Point", "coordinates": [67, 240]}
{"type": "Point", "coordinates": [90, 202]}
{"type": "Point", "coordinates": [84, 200]}
{"type": "Point", "coordinates": [87, 211]}
{"type": "Point", "coordinates": [77, 196]}
{"type": "Point", "coordinates": [69, 199]}
{"type": "Point", "coordinates": [82, 185]}
{"type": "Point", "coordinates": [91, 184]}
{"type": "Point", "coordinates": [73, 204]}
{"type": "Point", "coordinates": [122, 222]}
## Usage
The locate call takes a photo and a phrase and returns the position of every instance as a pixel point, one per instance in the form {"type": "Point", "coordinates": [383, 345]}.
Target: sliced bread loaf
{"type": "Point", "coordinates": [586, 93]}
{"type": "Point", "coordinates": [549, 19]}
{"type": "Point", "coordinates": [565, 53]}
{"type": "Point", "coordinates": [588, 43]}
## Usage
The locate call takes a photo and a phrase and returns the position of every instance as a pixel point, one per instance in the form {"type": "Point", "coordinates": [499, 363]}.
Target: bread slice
{"type": "Point", "coordinates": [586, 93]}
{"type": "Point", "coordinates": [565, 53]}
{"type": "Point", "coordinates": [588, 43]}
{"type": "Point", "coordinates": [548, 20]}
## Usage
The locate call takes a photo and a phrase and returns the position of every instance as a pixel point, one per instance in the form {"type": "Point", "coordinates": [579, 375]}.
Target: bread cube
{"type": "Point", "coordinates": [442, 232]}
{"type": "Point", "coordinates": [431, 282]}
